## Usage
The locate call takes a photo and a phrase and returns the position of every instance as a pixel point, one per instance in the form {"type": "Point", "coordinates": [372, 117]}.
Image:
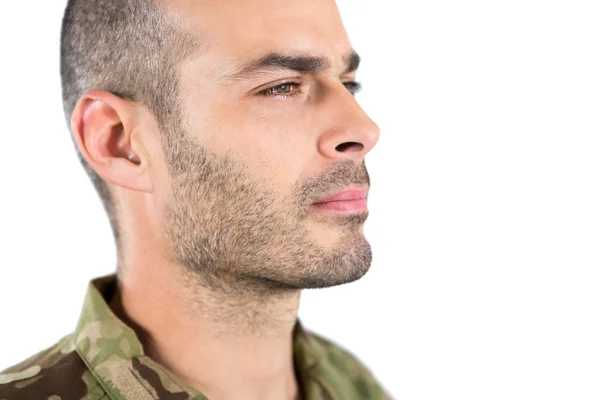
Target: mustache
{"type": "Point", "coordinates": [341, 175]}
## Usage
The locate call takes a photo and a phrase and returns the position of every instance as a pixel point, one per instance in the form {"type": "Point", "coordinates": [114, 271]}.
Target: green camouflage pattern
{"type": "Point", "coordinates": [104, 360]}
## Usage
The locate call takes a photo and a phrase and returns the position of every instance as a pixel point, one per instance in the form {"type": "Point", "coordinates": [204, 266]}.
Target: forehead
{"type": "Point", "coordinates": [242, 29]}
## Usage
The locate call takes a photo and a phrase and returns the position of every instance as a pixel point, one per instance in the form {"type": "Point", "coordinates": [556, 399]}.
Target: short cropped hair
{"type": "Point", "coordinates": [130, 48]}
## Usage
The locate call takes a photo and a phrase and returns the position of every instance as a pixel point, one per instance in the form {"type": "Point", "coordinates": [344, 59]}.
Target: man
{"type": "Point", "coordinates": [225, 142]}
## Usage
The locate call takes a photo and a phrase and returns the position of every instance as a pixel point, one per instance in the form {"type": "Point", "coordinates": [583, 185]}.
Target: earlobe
{"type": "Point", "coordinates": [102, 124]}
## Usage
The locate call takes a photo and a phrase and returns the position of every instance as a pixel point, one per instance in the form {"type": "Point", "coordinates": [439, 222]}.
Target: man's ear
{"type": "Point", "coordinates": [102, 126]}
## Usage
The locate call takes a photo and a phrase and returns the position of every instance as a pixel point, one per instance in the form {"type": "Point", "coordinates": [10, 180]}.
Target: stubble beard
{"type": "Point", "coordinates": [233, 233]}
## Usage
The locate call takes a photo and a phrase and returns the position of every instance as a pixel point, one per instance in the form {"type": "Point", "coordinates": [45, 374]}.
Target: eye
{"type": "Point", "coordinates": [283, 90]}
{"type": "Point", "coordinates": [289, 89]}
{"type": "Point", "coordinates": [353, 87]}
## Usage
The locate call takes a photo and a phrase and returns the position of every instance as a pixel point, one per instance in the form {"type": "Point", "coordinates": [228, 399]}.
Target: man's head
{"type": "Point", "coordinates": [223, 122]}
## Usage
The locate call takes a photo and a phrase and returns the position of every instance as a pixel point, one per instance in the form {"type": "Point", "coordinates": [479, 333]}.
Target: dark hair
{"type": "Point", "coordinates": [130, 48]}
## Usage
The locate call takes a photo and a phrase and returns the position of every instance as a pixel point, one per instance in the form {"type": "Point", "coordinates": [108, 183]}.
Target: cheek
{"type": "Point", "coordinates": [274, 144]}
{"type": "Point", "coordinates": [275, 141]}
{"type": "Point", "coordinates": [284, 148]}
{"type": "Point", "coordinates": [275, 164]}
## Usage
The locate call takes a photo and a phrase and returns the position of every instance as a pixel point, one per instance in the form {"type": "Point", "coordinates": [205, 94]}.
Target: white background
{"type": "Point", "coordinates": [485, 221]}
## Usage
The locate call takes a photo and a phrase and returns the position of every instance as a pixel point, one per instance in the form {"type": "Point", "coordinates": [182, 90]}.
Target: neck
{"type": "Point", "coordinates": [228, 341]}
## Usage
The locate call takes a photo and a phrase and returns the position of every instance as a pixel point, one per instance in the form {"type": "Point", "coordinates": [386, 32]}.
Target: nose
{"type": "Point", "coordinates": [348, 131]}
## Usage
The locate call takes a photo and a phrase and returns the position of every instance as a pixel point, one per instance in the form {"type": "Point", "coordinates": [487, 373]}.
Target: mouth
{"type": "Point", "coordinates": [350, 200]}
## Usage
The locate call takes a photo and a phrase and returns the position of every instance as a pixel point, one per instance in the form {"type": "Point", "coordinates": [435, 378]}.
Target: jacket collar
{"type": "Point", "coordinates": [115, 356]}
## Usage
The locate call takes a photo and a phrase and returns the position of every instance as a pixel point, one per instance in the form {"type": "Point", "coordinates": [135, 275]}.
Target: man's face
{"type": "Point", "coordinates": [246, 162]}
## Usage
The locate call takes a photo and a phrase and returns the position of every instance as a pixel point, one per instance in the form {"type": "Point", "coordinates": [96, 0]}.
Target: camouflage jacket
{"type": "Point", "coordinates": [104, 360]}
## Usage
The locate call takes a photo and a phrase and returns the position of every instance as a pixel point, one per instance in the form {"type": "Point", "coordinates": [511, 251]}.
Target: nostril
{"type": "Point", "coordinates": [349, 146]}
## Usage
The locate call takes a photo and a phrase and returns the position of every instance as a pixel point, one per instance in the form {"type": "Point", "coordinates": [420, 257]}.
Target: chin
{"type": "Point", "coordinates": [346, 261]}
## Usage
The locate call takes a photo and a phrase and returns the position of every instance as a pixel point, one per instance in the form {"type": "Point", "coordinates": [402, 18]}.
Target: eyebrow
{"type": "Point", "coordinates": [303, 64]}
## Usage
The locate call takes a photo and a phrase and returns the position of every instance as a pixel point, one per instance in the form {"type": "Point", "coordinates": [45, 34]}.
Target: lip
{"type": "Point", "coordinates": [347, 195]}
{"type": "Point", "coordinates": [343, 206]}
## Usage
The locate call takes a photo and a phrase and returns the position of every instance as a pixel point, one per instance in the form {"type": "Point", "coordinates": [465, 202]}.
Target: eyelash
{"type": "Point", "coordinates": [353, 86]}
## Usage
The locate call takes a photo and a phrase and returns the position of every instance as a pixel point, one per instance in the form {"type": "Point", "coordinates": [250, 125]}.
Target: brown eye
{"type": "Point", "coordinates": [282, 90]}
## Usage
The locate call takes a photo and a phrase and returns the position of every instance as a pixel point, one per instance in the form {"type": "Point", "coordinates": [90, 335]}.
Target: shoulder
{"type": "Point", "coordinates": [56, 372]}
{"type": "Point", "coordinates": [349, 366]}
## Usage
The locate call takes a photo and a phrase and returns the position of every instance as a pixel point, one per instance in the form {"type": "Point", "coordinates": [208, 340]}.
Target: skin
{"type": "Point", "coordinates": [219, 236]}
